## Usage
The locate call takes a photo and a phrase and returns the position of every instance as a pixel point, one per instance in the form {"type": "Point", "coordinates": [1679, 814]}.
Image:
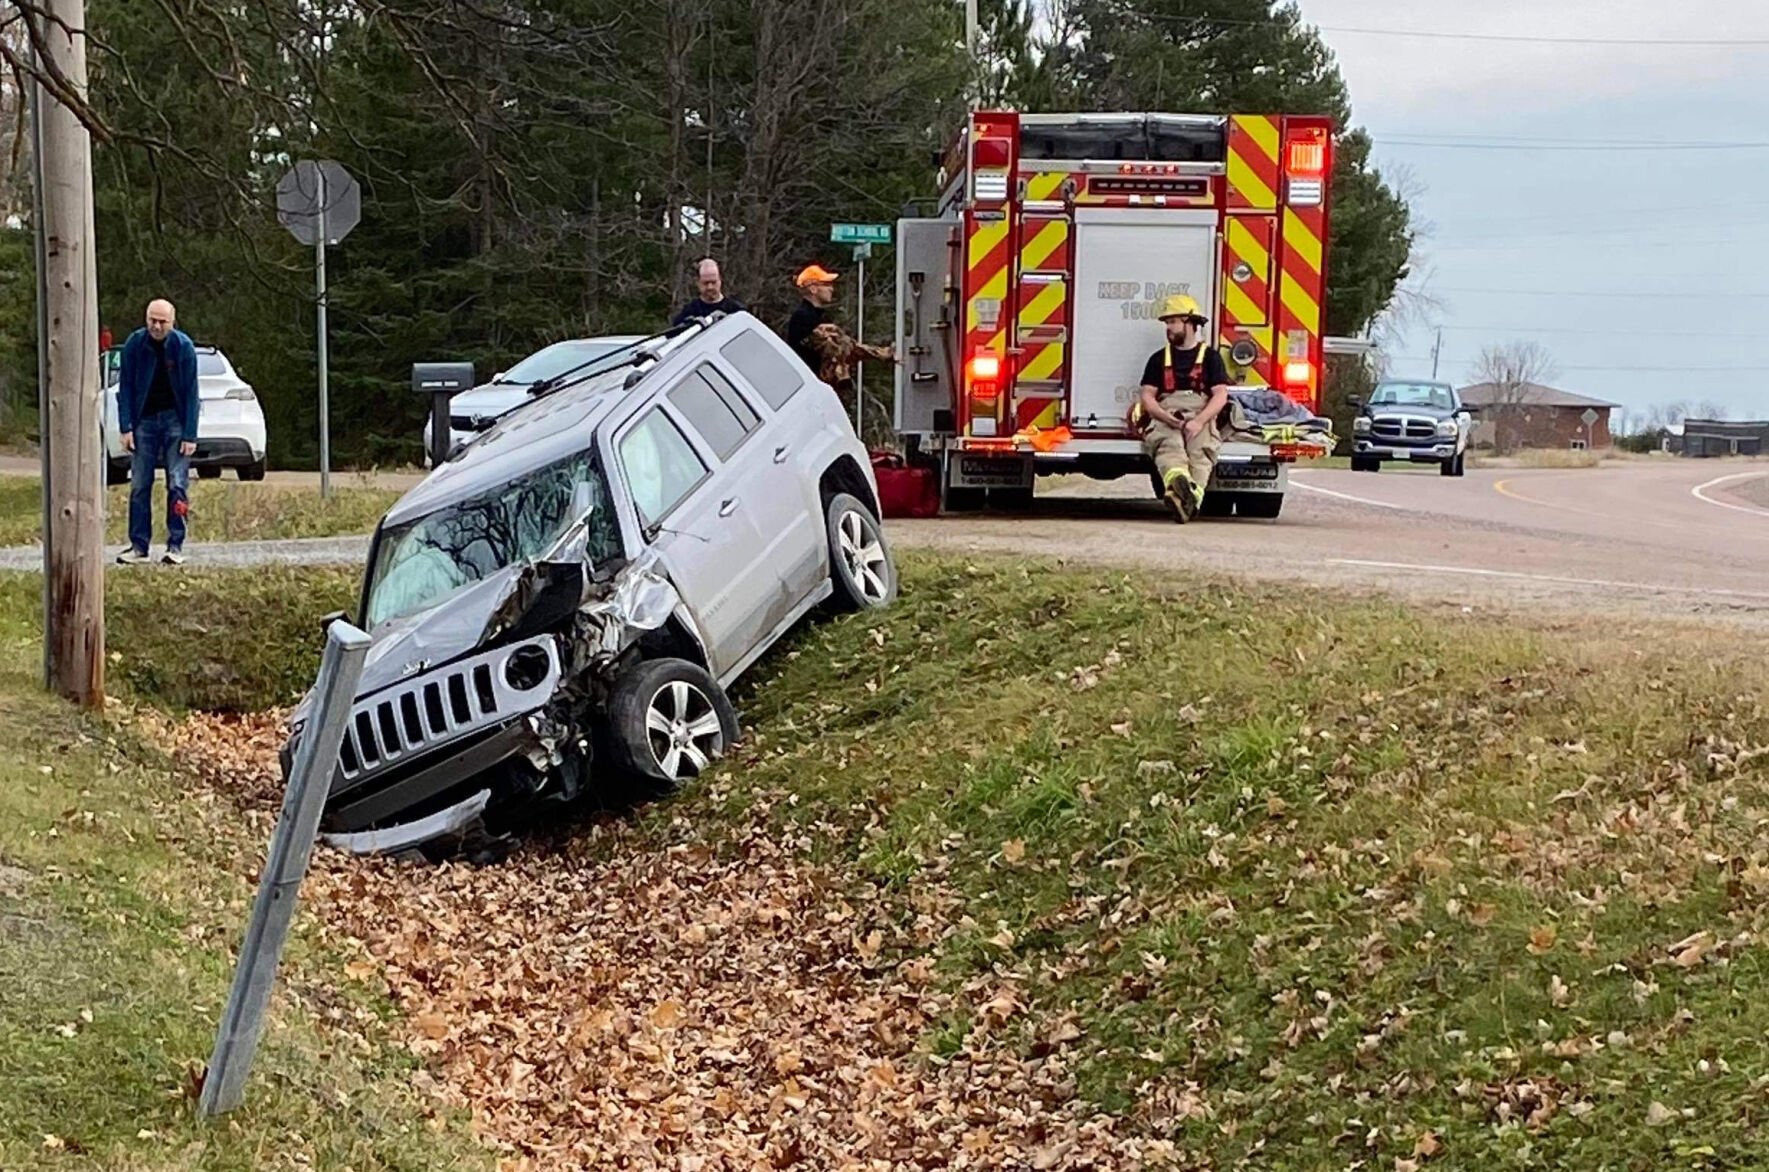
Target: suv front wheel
{"type": "Point", "coordinates": [860, 562]}
{"type": "Point", "coordinates": [669, 721]}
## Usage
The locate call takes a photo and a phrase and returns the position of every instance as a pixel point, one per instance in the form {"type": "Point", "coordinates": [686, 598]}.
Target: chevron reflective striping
{"type": "Point", "coordinates": [1301, 240]}
{"type": "Point", "coordinates": [1301, 305]}
{"type": "Point", "coordinates": [1048, 243]}
{"type": "Point", "coordinates": [1246, 246]}
{"type": "Point", "coordinates": [1043, 365]}
{"type": "Point", "coordinates": [1253, 162]}
{"type": "Point", "coordinates": [1045, 184]}
{"type": "Point", "coordinates": [986, 240]}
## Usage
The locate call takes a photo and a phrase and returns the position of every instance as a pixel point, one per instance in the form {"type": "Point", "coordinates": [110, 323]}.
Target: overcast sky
{"type": "Point", "coordinates": [1521, 240]}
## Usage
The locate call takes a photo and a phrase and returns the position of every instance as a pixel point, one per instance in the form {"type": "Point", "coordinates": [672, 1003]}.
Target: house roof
{"type": "Point", "coordinates": [1533, 395]}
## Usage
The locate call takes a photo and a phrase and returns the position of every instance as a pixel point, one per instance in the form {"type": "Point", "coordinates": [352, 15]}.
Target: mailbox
{"type": "Point", "coordinates": [441, 381]}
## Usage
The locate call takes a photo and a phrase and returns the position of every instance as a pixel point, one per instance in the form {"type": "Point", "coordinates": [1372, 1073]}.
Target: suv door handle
{"type": "Point", "coordinates": [727, 506]}
{"type": "Point", "coordinates": [780, 454]}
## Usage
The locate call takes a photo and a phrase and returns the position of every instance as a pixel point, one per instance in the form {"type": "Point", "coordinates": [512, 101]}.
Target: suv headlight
{"type": "Point", "coordinates": [1361, 423]}
{"type": "Point", "coordinates": [1446, 427]}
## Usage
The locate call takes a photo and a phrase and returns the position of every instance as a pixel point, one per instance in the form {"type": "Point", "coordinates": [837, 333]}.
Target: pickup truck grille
{"type": "Point", "coordinates": [431, 710]}
{"type": "Point", "coordinates": [1410, 427]}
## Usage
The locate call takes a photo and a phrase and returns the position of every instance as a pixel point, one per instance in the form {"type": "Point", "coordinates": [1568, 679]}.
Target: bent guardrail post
{"type": "Point", "coordinates": [291, 848]}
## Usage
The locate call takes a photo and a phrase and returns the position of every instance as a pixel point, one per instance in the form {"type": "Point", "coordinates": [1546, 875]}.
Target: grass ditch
{"type": "Point", "coordinates": [1297, 881]}
{"type": "Point", "coordinates": [122, 897]}
{"type": "Point", "coordinates": [220, 510]}
{"type": "Point", "coordinates": [1305, 880]}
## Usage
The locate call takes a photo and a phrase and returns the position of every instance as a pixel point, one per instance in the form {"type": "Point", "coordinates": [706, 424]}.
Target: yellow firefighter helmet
{"type": "Point", "coordinates": [1182, 305]}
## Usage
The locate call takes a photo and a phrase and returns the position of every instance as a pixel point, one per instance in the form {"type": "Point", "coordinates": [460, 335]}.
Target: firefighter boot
{"type": "Point", "coordinates": [1182, 497]}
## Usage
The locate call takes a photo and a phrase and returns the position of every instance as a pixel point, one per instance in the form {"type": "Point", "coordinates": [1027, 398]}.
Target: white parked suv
{"type": "Point", "coordinates": [470, 413]}
{"type": "Point", "coordinates": [230, 422]}
{"type": "Point", "coordinates": [561, 606]}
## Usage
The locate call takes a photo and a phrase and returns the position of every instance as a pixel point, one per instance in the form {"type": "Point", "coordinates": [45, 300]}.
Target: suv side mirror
{"type": "Point", "coordinates": [1356, 403]}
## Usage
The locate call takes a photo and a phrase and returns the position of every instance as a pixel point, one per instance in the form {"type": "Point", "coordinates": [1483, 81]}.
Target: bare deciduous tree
{"type": "Point", "coordinates": [1515, 372]}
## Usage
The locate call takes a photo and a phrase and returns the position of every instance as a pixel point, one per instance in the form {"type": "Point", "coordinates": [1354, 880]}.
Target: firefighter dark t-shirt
{"type": "Point", "coordinates": [804, 319]}
{"type": "Point", "coordinates": [1215, 372]}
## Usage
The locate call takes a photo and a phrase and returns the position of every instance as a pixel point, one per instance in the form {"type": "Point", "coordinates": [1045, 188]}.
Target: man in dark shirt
{"type": "Point", "coordinates": [817, 284]}
{"type": "Point", "coordinates": [711, 299]}
{"type": "Point", "coordinates": [157, 407]}
{"type": "Point", "coordinates": [1184, 388]}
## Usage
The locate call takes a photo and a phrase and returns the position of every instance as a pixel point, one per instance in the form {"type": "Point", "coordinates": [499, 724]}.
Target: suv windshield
{"type": "Point", "coordinates": [422, 561]}
{"type": "Point", "coordinates": [1413, 395]}
{"type": "Point", "coordinates": [556, 359]}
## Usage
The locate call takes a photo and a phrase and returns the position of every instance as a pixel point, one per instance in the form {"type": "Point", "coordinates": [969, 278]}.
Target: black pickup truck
{"type": "Point", "coordinates": [1422, 422]}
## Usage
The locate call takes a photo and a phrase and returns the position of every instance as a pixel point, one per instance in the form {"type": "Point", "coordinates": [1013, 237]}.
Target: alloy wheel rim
{"type": "Point", "coordinates": [863, 553]}
{"type": "Point", "coordinates": [684, 730]}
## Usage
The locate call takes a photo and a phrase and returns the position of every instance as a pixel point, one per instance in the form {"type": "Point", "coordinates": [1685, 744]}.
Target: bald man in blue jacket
{"type": "Point", "coordinates": [157, 407]}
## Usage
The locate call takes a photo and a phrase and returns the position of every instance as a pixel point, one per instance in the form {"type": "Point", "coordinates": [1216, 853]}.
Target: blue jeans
{"type": "Point", "coordinates": [157, 440]}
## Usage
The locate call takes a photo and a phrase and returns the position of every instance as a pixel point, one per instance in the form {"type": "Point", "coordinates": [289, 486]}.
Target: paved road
{"type": "Point", "coordinates": [1659, 539]}
{"type": "Point", "coordinates": [1664, 539]}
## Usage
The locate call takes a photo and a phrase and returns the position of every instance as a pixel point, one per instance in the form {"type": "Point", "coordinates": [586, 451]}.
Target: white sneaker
{"type": "Point", "coordinates": [173, 557]}
{"type": "Point", "coordinates": [133, 557]}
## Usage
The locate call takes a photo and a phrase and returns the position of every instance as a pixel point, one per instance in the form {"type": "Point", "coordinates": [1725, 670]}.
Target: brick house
{"type": "Point", "coordinates": [1536, 417]}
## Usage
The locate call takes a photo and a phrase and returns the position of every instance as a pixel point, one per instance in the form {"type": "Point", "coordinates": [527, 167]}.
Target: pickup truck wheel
{"type": "Point", "coordinates": [1453, 466]}
{"type": "Point", "coordinates": [1365, 464]}
{"type": "Point", "coordinates": [668, 720]}
{"type": "Point", "coordinates": [860, 562]}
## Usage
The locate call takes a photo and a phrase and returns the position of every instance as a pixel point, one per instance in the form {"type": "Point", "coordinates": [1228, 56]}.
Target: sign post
{"type": "Point", "coordinates": [862, 237]}
{"type": "Point", "coordinates": [319, 203]}
{"type": "Point", "coordinates": [291, 848]}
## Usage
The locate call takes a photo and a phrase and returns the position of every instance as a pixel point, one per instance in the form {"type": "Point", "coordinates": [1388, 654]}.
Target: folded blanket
{"type": "Point", "coordinates": [1263, 405]}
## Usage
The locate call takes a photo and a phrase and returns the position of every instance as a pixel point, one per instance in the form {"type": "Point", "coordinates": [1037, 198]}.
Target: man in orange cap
{"type": "Point", "coordinates": [822, 344]}
{"type": "Point", "coordinates": [817, 285]}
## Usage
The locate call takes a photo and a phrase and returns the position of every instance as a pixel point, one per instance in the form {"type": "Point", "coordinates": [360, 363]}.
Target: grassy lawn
{"type": "Point", "coordinates": [122, 895]}
{"type": "Point", "coordinates": [220, 510]}
{"type": "Point", "coordinates": [1305, 881]}
{"type": "Point", "coordinates": [1298, 881]}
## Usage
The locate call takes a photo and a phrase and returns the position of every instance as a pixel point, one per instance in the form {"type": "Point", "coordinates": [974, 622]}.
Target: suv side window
{"type": "Point", "coordinates": [661, 466]}
{"type": "Point", "coordinates": [717, 411]}
{"type": "Point", "coordinates": [765, 367]}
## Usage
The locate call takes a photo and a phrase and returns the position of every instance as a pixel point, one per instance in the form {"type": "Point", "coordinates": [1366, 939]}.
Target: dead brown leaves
{"type": "Point", "coordinates": [610, 1002]}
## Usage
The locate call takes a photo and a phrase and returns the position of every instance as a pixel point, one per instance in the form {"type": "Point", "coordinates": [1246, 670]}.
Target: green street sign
{"type": "Point", "coordinates": [860, 233]}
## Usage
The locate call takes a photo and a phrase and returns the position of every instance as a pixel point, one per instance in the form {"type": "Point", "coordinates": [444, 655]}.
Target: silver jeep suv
{"type": "Point", "coordinates": [565, 602]}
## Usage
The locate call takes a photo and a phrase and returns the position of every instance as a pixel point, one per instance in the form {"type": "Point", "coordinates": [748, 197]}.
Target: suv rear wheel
{"type": "Point", "coordinates": [669, 720]}
{"type": "Point", "coordinates": [860, 562]}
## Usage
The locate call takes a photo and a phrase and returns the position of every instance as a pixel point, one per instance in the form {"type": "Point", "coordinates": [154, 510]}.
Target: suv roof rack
{"type": "Point", "coordinates": [637, 352]}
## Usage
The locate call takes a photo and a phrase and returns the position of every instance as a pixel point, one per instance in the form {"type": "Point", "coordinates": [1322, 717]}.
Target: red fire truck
{"type": "Point", "coordinates": [1027, 304]}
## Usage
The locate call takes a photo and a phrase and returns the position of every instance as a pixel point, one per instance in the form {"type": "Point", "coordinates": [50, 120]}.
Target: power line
{"type": "Point", "coordinates": [1514, 38]}
{"type": "Point", "coordinates": [1606, 369]}
{"type": "Point", "coordinates": [1502, 38]}
{"type": "Point", "coordinates": [1629, 332]}
{"type": "Point", "coordinates": [1716, 295]}
{"type": "Point", "coordinates": [1581, 146]}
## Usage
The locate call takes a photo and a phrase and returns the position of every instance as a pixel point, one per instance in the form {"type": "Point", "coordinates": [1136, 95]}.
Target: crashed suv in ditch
{"type": "Point", "coordinates": [567, 600]}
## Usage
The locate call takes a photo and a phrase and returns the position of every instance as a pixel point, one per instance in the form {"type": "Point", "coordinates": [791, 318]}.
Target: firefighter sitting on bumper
{"type": "Point", "coordinates": [1184, 387]}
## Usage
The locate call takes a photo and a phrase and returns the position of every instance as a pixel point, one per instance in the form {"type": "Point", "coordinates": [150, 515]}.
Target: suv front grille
{"type": "Point", "coordinates": [471, 422]}
{"type": "Point", "coordinates": [429, 711]}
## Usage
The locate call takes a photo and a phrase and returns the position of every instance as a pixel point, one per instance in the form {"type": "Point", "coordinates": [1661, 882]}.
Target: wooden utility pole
{"type": "Point", "coordinates": [73, 552]}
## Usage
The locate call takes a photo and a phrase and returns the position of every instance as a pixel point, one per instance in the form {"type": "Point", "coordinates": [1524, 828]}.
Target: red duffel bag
{"type": "Point", "coordinates": [905, 490]}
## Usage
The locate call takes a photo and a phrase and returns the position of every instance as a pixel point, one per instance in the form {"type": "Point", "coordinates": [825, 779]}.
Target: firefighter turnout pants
{"type": "Point", "coordinates": [1174, 454]}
